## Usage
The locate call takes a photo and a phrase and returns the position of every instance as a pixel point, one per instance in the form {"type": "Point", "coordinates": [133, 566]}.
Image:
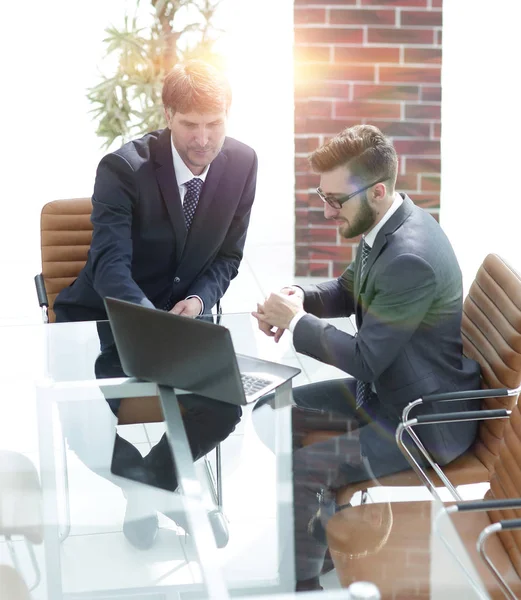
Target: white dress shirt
{"type": "Point", "coordinates": [183, 175]}
{"type": "Point", "coordinates": [369, 240]}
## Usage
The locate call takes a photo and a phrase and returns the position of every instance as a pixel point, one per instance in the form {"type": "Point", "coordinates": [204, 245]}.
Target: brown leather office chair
{"type": "Point", "coordinates": [491, 330]}
{"type": "Point", "coordinates": [20, 515]}
{"type": "Point", "coordinates": [66, 234]}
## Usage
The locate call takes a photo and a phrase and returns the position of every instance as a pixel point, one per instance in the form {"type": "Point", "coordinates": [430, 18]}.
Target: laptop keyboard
{"type": "Point", "coordinates": [253, 384]}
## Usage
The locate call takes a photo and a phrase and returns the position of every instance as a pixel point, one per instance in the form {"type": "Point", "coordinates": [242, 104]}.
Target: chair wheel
{"type": "Point", "coordinates": [219, 528]}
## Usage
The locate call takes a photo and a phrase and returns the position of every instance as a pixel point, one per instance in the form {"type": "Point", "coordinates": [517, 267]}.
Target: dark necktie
{"type": "Point", "coordinates": [363, 388]}
{"type": "Point", "coordinates": [193, 189]}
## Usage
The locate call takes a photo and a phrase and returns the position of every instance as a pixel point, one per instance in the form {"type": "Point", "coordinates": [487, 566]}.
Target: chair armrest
{"type": "Point", "coordinates": [475, 415]}
{"type": "Point", "coordinates": [41, 291]}
{"type": "Point", "coordinates": [451, 397]}
{"type": "Point", "coordinates": [481, 505]}
{"type": "Point", "coordinates": [471, 395]}
{"type": "Point", "coordinates": [43, 300]}
{"type": "Point", "coordinates": [456, 417]}
{"type": "Point", "coordinates": [454, 396]}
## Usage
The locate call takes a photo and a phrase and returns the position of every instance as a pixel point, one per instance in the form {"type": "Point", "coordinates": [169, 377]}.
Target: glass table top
{"type": "Point", "coordinates": [120, 533]}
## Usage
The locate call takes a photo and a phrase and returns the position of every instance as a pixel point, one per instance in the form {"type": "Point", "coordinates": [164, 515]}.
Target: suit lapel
{"type": "Point", "coordinates": [380, 242]}
{"type": "Point", "coordinates": [208, 194]}
{"type": "Point", "coordinates": [165, 175]}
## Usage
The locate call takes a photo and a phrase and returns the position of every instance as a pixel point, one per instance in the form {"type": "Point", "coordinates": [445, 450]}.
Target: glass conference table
{"type": "Point", "coordinates": [57, 412]}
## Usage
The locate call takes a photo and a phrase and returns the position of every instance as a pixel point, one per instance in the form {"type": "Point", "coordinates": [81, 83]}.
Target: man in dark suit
{"type": "Point", "coordinates": [405, 290]}
{"type": "Point", "coordinates": [170, 212]}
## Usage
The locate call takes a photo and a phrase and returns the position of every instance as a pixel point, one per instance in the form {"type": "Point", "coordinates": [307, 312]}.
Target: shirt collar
{"type": "Point", "coordinates": [182, 172]}
{"type": "Point", "coordinates": [371, 236]}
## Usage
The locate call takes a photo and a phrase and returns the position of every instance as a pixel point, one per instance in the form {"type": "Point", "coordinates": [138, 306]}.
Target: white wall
{"type": "Point", "coordinates": [481, 131]}
{"type": "Point", "coordinates": [259, 48]}
{"type": "Point", "coordinates": [51, 53]}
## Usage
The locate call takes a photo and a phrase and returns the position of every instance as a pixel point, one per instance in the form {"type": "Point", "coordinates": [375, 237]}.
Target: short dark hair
{"type": "Point", "coordinates": [196, 86]}
{"type": "Point", "coordinates": [363, 149]}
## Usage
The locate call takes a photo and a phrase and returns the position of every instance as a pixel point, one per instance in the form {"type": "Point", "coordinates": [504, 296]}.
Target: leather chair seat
{"type": "Point", "coordinates": [466, 469]}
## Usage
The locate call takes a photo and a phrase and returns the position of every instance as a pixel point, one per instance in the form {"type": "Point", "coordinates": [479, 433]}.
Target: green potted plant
{"type": "Point", "coordinates": [128, 102]}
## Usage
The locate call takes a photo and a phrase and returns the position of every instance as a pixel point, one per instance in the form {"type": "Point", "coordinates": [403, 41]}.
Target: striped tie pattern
{"type": "Point", "coordinates": [363, 388]}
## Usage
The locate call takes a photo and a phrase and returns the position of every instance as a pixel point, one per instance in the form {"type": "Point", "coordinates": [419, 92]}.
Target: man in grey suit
{"type": "Point", "coordinates": [405, 290]}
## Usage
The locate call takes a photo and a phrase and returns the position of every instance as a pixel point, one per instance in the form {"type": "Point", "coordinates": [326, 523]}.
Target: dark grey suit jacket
{"type": "Point", "coordinates": [408, 310]}
{"type": "Point", "coordinates": [141, 250]}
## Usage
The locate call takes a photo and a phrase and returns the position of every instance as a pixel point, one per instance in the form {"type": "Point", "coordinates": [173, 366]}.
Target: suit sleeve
{"type": "Point", "coordinates": [111, 247]}
{"type": "Point", "coordinates": [405, 292]}
{"type": "Point", "coordinates": [214, 282]}
{"type": "Point", "coordinates": [333, 298]}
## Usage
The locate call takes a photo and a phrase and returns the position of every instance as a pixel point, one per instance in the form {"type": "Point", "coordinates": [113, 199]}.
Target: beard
{"type": "Point", "coordinates": [192, 160]}
{"type": "Point", "coordinates": [363, 221]}
{"type": "Point", "coordinates": [191, 157]}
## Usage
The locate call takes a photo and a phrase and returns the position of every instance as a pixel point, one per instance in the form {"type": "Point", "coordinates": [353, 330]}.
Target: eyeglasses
{"type": "Point", "coordinates": [337, 202]}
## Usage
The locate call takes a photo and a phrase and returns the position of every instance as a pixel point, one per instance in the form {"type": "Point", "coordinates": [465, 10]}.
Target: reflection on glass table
{"type": "Point", "coordinates": [91, 422]}
{"type": "Point", "coordinates": [368, 538]}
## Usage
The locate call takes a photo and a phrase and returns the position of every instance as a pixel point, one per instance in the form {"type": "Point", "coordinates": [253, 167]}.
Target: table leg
{"type": "Point", "coordinates": [51, 530]}
{"type": "Point", "coordinates": [201, 530]}
{"type": "Point", "coordinates": [284, 474]}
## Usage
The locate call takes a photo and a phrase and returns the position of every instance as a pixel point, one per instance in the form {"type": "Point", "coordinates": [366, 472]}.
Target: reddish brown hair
{"type": "Point", "coordinates": [364, 149]}
{"type": "Point", "coordinates": [196, 86]}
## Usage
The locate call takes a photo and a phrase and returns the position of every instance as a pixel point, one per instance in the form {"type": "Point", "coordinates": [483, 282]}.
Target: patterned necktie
{"type": "Point", "coordinates": [193, 189]}
{"type": "Point", "coordinates": [363, 388]}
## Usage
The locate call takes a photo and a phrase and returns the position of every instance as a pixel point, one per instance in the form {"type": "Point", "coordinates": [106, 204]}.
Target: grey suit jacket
{"type": "Point", "coordinates": [408, 310]}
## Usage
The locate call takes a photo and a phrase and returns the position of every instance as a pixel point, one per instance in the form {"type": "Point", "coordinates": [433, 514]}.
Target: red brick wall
{"type": "Point", "coordinates": [364, 61]}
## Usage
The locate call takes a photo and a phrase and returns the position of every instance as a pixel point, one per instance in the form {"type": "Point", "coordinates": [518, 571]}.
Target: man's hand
{"type": "Point", "coordinates": [266, 328]}
{"type": "Point", "coordinates": [187, 308]}
{"type": "Point", "coordinates": [277, 311]}
{"type": "Point", "coordinates": [289, 290]}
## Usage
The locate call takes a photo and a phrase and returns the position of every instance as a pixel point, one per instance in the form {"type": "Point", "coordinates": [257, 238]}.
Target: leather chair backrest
{"type": "Point", "coordinates": [491, 331]}
{"type": "Point", "coordinates": [66, 233]}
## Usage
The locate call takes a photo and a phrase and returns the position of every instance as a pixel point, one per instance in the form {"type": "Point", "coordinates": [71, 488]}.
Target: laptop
{"type": "Point", "coordinates": [189, 354]}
